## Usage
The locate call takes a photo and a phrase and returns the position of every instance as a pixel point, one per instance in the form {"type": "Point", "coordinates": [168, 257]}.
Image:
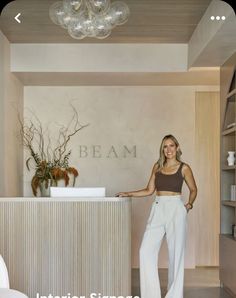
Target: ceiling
{"type": "Point", "coordinates": [150, 21]}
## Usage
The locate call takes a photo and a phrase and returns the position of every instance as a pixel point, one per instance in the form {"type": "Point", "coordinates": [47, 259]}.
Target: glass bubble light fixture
{"type": "Point", "coordinates": [89, 18]}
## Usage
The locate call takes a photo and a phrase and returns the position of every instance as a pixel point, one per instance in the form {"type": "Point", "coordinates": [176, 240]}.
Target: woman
{"type": "Point", "coordinates": [167, 216]}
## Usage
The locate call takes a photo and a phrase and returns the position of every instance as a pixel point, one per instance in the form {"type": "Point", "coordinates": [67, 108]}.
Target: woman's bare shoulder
{"type": "Point", "coordinates": [155, 167]}
{"type": "Point", "coordinates": [186, 168]}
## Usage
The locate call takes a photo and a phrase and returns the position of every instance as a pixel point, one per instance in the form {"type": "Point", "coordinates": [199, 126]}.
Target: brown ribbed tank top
{"type": "Point", "coordinates": [169, 182]}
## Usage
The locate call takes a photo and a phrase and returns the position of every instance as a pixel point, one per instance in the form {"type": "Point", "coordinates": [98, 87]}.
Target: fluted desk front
{"type": "Point", "coordinates": [67, 245]}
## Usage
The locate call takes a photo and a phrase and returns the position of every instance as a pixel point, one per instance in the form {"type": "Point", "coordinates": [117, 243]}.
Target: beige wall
{"type": "Point", "coordinates": [81, 58]}
{"type": "Point", "coordinates": [11, 100]}
{"type": "Point", "coordinates": [120, 116]}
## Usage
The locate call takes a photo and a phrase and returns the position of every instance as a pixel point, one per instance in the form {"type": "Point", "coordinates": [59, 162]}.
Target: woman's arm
{"type": "Point", "coordinates": [149, 190]}
{"type": "Point", "coordinates": [190, 181]}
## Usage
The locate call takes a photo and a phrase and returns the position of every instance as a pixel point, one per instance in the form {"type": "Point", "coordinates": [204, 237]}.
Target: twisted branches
{"type": "Point", "coordinates": [50, 163]}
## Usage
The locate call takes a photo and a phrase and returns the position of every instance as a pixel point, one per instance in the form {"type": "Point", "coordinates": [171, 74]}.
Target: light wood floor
{"type": "Point", "coordinates": [198, 283]}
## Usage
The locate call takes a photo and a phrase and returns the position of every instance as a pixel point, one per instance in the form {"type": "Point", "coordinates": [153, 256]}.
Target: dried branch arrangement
{"type": "Point", "coordinates": [51, 158]}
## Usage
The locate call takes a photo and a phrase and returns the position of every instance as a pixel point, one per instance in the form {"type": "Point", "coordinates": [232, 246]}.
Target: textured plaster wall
{"type": "Point", "coordinates": [118, 117]}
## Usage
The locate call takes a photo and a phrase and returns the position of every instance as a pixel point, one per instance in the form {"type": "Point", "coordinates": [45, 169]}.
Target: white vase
{"type": "Point", "coordinates": [231, 158]}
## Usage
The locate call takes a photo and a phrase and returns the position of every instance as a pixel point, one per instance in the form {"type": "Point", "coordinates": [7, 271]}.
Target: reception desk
{"type": "Point", "coordinates": [67, 246]}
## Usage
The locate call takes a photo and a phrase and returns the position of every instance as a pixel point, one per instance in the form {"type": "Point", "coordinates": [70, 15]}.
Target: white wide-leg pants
{"type": "Point", "coordinates": [167, 216]}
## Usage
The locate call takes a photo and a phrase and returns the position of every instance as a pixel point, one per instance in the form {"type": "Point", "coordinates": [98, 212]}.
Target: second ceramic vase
{"type": "Point", "coordinates": [231, 158]}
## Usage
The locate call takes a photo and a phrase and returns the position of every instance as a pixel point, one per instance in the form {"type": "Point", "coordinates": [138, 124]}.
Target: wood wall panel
{"type": "Point", "coordinates": [207, 207]}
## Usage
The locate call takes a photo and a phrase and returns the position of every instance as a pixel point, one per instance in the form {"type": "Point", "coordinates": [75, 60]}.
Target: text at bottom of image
{"type": "Point", "coordinates": [92, 295]}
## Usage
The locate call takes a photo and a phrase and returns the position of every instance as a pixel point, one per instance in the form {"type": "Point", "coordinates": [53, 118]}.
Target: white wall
{"type": "Point", "coordinates": [120, 116]}
{"type": "Point", "coordinates": [11, 101]}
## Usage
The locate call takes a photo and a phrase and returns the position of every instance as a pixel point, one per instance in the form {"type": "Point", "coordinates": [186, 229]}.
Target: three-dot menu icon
{"type": "Point", "coordinates": [218, 18]}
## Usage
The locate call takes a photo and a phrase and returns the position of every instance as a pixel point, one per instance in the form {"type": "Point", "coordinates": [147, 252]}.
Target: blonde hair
{"type": "Point", "coordinates": [162, 159]}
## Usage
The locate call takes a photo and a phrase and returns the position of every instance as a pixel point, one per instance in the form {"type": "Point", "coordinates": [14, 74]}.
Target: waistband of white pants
{"type": "Point", "coordinates": [167, 198]}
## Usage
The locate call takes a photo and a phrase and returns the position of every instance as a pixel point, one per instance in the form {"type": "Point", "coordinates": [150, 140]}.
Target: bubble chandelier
{"type": "Point", "coordinates": [89, 18]}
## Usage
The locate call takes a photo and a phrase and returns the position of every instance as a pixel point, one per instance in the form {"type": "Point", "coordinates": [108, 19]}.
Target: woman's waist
{"type": "Point", "coordinates": [168, 198]}
{"type": "Point", "coordinates": [167, 193]}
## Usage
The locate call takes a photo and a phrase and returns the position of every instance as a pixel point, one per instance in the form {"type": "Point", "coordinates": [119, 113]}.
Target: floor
{"type": "Point", "coordinates": [198, 283]}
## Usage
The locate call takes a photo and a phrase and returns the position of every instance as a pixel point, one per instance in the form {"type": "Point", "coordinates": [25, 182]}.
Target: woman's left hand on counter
{"type": "Point", "coordinates": [122, 194]}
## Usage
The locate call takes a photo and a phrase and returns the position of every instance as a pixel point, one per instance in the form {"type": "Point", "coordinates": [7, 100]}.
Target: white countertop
{"type": "Point", "coordinates": [64, 199]}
